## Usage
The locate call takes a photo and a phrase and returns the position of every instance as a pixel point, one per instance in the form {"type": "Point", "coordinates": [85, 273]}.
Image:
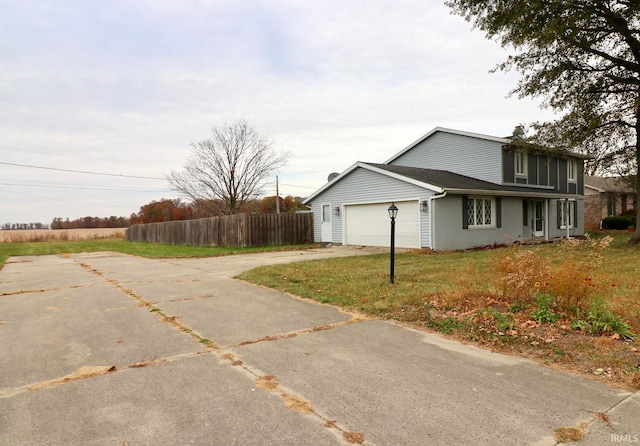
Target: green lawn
{"type": "Point", "coordinates": [141, 249]}
{"type": "Point", "coordinates": [362, 282]}
{"type": "Point", "coordinates": [462, 294]}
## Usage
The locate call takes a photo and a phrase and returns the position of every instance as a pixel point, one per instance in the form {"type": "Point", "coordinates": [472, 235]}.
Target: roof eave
{"type": "Point", "coordinates": [432, 187]}
{"type": "Point", "coordinates": [505, 193]}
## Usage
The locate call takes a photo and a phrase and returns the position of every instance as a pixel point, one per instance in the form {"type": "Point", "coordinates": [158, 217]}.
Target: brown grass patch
{"type": "Point", "coordinates": [297, 404]}
{"type": "Point", "coordinates": [230, 357]}
{"type": "Point", "coordinates": [45, 235]}
{"type": "Point", "coordinates": [269, 338]}
{"type": "Point", "coordinates": [81, 373]}
{"type": "Point", "coordinates": [151, 361]}
{"type": "Point", "coordinates": [570, 434]}
{"type": "Point", "coordinates": [353, 437]}
{"type": "Point", "coordinates": [268, 383]}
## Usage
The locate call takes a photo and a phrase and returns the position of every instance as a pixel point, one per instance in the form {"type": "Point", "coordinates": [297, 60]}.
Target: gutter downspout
{"type": "Point", "coordinates": [431, 217]}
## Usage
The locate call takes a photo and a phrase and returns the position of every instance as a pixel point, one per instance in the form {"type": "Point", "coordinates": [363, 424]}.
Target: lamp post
{"type": "Point", "coordinates": [393, 212]}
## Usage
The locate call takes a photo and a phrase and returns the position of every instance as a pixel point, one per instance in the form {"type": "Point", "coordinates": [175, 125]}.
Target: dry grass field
{"type": "Point", "coordinates": [41, 235]}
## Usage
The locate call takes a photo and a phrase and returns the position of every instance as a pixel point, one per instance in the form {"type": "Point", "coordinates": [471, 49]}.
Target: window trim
{"type": "Point", "coordinates": [493, 217]}
{"type": "Point", "coordinates": [521, 155]}
{"type": "Point", "coordinates": [572, 171]}
{"type": "Point", "coordinates": [322, 211]}
{"type": "Point", "coordinates": [611, 205]}
{"type": "Point", "coordinates": [573, 209]}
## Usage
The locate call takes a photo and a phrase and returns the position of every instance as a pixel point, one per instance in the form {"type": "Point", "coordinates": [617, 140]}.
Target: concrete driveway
{"type": "Point", "coordinates": [110, 349]}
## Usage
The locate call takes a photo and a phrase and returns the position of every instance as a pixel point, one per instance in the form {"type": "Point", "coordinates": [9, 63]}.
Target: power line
{"type": "Point", "coordinates": [61, 186]}
{"type": "Point", "coordinates": [303, 187]}
{"type": "Point", "coordinates": [81, 171]}
{"type": "Point", "coordinates": [74, 156]}
{"type": "Point", "coordinates": [65, 201]}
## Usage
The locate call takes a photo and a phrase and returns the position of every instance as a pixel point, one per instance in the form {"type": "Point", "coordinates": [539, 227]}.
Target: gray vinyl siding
{"type": "Point", "coordinates": [448, 225]}
{"type": "Point", "coordinates": [553, 172]}
{"type": "Point", "coordinates": [364, 186]}
{"type": "Point", "coordinates": [466, 155]}
{"type": "Point", "coordinates": [532, 169]}
{"type": "Point", "coordinates": [508, 166]}
{"type": "Point", "coordinates": [562, 176]}
{"type": "Point", "coordinates": [543, 170]}
{"type": "Point", "coordinates": [580, 178]}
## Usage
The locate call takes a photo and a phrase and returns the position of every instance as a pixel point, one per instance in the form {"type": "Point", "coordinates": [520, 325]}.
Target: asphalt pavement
{"type": "Point", "coordinates": [111, 349]}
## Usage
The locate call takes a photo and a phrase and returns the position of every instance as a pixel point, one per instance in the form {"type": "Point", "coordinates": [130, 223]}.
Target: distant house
{"type": "Point", "coordinates": [455, 190]}
{"type": "Point", "coordinates": [606, 197]}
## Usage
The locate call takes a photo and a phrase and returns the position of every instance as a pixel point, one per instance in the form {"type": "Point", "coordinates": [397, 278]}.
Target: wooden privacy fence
{"type": "Point", "coordinates": [241, 230]}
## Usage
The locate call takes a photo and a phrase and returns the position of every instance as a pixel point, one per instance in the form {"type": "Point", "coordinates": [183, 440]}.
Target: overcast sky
{"type": "Point", "coordinates": [123, 87]}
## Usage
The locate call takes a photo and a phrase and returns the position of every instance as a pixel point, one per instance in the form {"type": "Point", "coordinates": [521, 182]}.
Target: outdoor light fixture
{"type": "Point", "coordinates": [424, 205]}
{"type": "Point", "coordinates": [393, 213]}
{"type": "Point", "coordinates": [336, 211]}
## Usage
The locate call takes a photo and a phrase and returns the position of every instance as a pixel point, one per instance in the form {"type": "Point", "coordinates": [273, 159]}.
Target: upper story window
{"type": "Point", "coordinates": [572, 170]}
{"type": "Point", "coordinates": [521, 163]}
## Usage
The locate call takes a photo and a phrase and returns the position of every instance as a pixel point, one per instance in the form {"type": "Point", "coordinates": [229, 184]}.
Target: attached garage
{"type": "Point", "coordinates": [369, 224]}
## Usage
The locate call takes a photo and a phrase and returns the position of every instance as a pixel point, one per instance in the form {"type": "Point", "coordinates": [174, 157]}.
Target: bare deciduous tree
{"type": "Point", "coordinates": [229, 168]}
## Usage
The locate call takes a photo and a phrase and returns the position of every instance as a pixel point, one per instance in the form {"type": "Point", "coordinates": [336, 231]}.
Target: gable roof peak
{"type": "Point", "coordinates": [450, 131]}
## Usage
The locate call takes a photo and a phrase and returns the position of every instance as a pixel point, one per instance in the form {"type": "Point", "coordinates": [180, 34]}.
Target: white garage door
{"type": "Point", "coordinates": [369, 224]}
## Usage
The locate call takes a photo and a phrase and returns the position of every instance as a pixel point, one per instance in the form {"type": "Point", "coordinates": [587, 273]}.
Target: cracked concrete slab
{"type": "Point", "coordinates": [400, 385]}
{"type": "Point", "coordinates": [619, 425]}
{"type": "Point", "coordinates": [368, 382]}
{"type": "Point", "coordinates": [61, 302]}
{"type": "Point", "coordinates": [196, 400]}
{"type": "Point", "coordinates": [35, 273]}
{"type": "Point", "coordinates": [242, 312]}
{"type": "Point", "coordinates": [41, 349]}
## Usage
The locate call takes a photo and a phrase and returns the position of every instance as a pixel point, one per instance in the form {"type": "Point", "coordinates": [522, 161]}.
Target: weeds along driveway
{"type": "Point", "coordinates": [114, 349]}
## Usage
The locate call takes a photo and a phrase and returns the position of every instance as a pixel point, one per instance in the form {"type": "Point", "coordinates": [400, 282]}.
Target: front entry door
{"type": "Point", "coordinates": [326, 223]}
{"type": "Point", "coordinates": [538, 218]}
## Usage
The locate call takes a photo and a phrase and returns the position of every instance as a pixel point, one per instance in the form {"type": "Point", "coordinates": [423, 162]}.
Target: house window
{"type": "Point", "coordinates": [480, 212]}
{"type": "Point", "coordinates": [326, 213]}
{"type": "Point", "coordinates": [565, 216]}
{"type": "Point", "coordinates": [521, 164]}
{"type": "Point", "coordinates": [611, 205]}
{"type": "Point", "coordinates": [572, 170]}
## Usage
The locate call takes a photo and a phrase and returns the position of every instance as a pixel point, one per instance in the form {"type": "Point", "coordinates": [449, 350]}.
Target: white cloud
{"type": "Point", "coordinates": [126, 86]}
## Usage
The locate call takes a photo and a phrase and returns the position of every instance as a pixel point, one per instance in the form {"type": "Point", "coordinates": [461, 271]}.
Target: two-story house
{"type": "Point", "coordinates": [455, 190]}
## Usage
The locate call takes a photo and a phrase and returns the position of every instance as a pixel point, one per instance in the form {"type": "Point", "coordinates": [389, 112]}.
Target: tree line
{"type": "Point", "coordinates": [176, 209]}
{"type": "Point", "coordinates": [165, 210]}
{"type": "Point", "coordinates": [23, 226]}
